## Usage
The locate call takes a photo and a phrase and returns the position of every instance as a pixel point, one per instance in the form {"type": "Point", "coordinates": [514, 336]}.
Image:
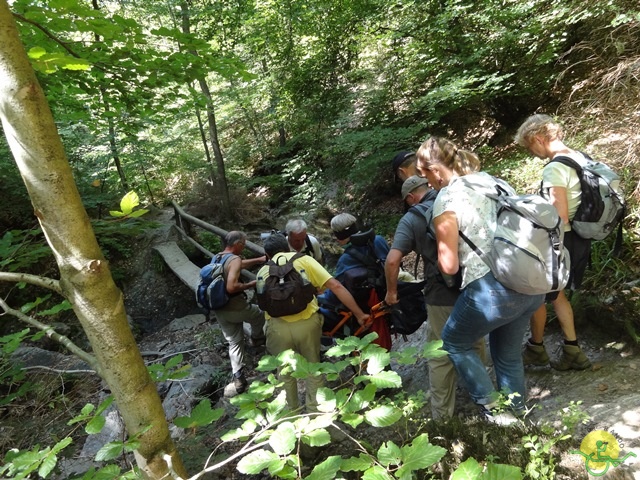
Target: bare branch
{"type": "Point", "coordinates": [53, 335]}
{"type": "Point", "coordinates": [57, 370]}
{"type": "Point", "coordinates": [36, 280]}
{"type": "Point", "coordinates": [48, 34]}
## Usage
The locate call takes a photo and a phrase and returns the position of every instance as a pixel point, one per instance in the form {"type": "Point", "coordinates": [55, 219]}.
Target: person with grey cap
{"type": "Point", "coordinates": [414, 233]}
{"type": "Point", "coordinates": [404, 165]}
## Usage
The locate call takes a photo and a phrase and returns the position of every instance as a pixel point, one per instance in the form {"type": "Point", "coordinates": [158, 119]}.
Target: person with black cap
{"type": "Point", "coordinates": [404, 165]}
{"type": "Point", "coordinates": [413, 234]}
{"type": "Point", "coordinates": [363, 248]}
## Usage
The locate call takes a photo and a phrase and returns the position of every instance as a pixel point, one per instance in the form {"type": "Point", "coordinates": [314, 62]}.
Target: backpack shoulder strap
{"type": "Point", "coordinates": [309, 249]}
{"type": "Point", "coordinates": [221, 257]}
{"type": "Point", "coordinates": [569, 162]}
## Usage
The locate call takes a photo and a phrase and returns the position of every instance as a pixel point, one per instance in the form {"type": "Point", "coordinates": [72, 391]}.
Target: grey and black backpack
{"type": "Point", "coordinates": [602, 205]}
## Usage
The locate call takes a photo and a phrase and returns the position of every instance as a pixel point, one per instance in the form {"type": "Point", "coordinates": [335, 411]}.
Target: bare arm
{"type": "Point", "coordinates": [250, 262]}
{"type": "Point", "coordinates": [558, 198]}
{"type": "Point", "coordinates": [346, 298]}
{"type": "Point", "coordinates": [233, 284]}
{"type": "Point", "coordinates": [446, 226]}
{"type": "Point", "coordinates": [391, 271]}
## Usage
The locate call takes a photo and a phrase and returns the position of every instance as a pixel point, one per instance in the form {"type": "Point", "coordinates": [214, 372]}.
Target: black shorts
{"type": "Point", "coordinates": [580, 255]}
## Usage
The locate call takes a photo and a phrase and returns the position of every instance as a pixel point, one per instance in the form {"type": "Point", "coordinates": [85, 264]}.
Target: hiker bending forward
{"type": "Point", "coordinates": [301, 332]}
{"type": "Point", "coordinates": [484, 306]}
{"type": "Point", "coordinates": [542, 136]}
{"type": "Point", "coordinates": [413, 234]}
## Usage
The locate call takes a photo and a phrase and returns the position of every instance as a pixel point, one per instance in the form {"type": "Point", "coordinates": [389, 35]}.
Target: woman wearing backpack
{"type": "Point", "coordinates": [485, 306]}
{"type": "Point", "coordinates": [542, 136]}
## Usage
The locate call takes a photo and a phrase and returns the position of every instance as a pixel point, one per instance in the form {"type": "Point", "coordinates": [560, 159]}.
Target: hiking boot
{"type": "Point", "coordinates": [535, 355]}
{"type": "Point", "coordinates": [237, 386]}
{"type": "Point", "coordinates": [573, 358]}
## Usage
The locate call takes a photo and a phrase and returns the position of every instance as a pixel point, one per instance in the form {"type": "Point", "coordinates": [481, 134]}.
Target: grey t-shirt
{"type": "Point", "coordinates": [411, 235]}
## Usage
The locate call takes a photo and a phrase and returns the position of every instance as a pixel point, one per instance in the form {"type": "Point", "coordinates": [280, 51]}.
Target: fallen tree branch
{"type": "Point", "coordinates": [53, 335]}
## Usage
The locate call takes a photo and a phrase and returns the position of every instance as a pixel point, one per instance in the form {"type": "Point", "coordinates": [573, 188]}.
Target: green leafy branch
{"type": "Point", "coordinates": [127, 204]}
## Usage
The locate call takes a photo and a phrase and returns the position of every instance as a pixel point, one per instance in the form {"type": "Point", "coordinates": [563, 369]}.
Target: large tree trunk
{"type": "Point", "coordinates": [221, 176]}
{"type": "Point", "coordinates": [85, 278]}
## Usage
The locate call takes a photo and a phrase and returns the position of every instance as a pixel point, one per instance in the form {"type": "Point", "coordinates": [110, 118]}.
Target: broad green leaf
{"type": "Point", "coordinates": [109, 451]}
{"type": "Point", "coordinates": [319, 421]}
{"type": "Point", "coordinates": [204, 414]}
{"type": "Point", "coordinates": [107, 473]}
{"type": "Point", "coordinates": [268, 363]}
{"type": "Point", "coordinates": [383, 416]}
{"type": "Point", "coordinates": [47, 465]}
{"type": "Point", "coordinates": [129, 202]}
{"type": "Point", "coordinates": [502, 472]}
{"type": "Point", "coordinates": [61, 307]}
{"type": "Point", "coordinates": [326, 400]}
{"type": "Point", "coordinates": [419, 454]}
{"type": "Point", "coordinates": [201, 415]}
{"type": "Point", "coordinates": [36, 52]}
{"type": "Point", "coordinates": [317, 438]}
{"type": "Point", "coordinates": [257, 461]}
{"type": "Point", "coordinates": [106, 403]}
{"type": "Point", "coordinates": [376, 361]}
{"type": "Point", "coordinates": [386, 379]}
{"type": "Point", "coordinates": [357, 464]}
{"type": "Point", "coordinates": [276, 407]}
{"type": "Point", "coordinates": [282, 470]}
{"type": "Point", "coordinates": [433, 349]}
{"type": "Point", "coordinates": [407, 356]}
{"type": "Point", "coordinates": [247, 428]}
{"type": "Point", "coordinates": [283, 439]}
{"type": "Point", "coordinates": [95, 425]}
{"type": "Point", "coordinates": [389, 454]}
{"type": "Point", "coordinates": [138, 213]}
{"type": "Point", "coordinates": [470, 469]}
{"type": "Point", "coordinates": [352, 419]}
{"type": "Point", "coordinates": [326, 470]}
{"type": "Point", "coordinates": [376, 473]}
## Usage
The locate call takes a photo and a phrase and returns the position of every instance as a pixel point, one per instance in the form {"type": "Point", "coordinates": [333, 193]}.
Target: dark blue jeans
{"type": "Point", "coordinates": [484, 307]}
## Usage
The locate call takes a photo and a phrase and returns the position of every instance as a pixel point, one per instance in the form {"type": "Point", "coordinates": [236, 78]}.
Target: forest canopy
{"type": "Point", "coordinates": [293, 101]}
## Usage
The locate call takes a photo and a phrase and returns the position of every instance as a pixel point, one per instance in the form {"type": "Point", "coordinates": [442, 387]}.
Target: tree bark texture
{"type": "Point", "coordinates": [85, 278]}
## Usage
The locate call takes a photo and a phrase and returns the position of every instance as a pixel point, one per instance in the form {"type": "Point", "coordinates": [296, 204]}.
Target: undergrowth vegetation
{"type": "Point", "coordinates": [365, 425]}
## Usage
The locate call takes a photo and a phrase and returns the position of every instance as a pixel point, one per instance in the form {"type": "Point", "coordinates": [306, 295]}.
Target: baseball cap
{"type": "Point", "coordinates": [400, 158]}
{"type": "Point", "coordinates": [411, 183]}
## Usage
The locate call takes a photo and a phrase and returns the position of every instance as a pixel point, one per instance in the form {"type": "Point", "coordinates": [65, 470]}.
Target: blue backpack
{"type": "Point", "coordinates": [211, 293]}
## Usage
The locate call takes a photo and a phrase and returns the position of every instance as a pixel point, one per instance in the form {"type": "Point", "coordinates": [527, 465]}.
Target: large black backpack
{"type": "Point", "coordinates": [370, 274]}
{"type": "Point", "coordinates": [285, 290]}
